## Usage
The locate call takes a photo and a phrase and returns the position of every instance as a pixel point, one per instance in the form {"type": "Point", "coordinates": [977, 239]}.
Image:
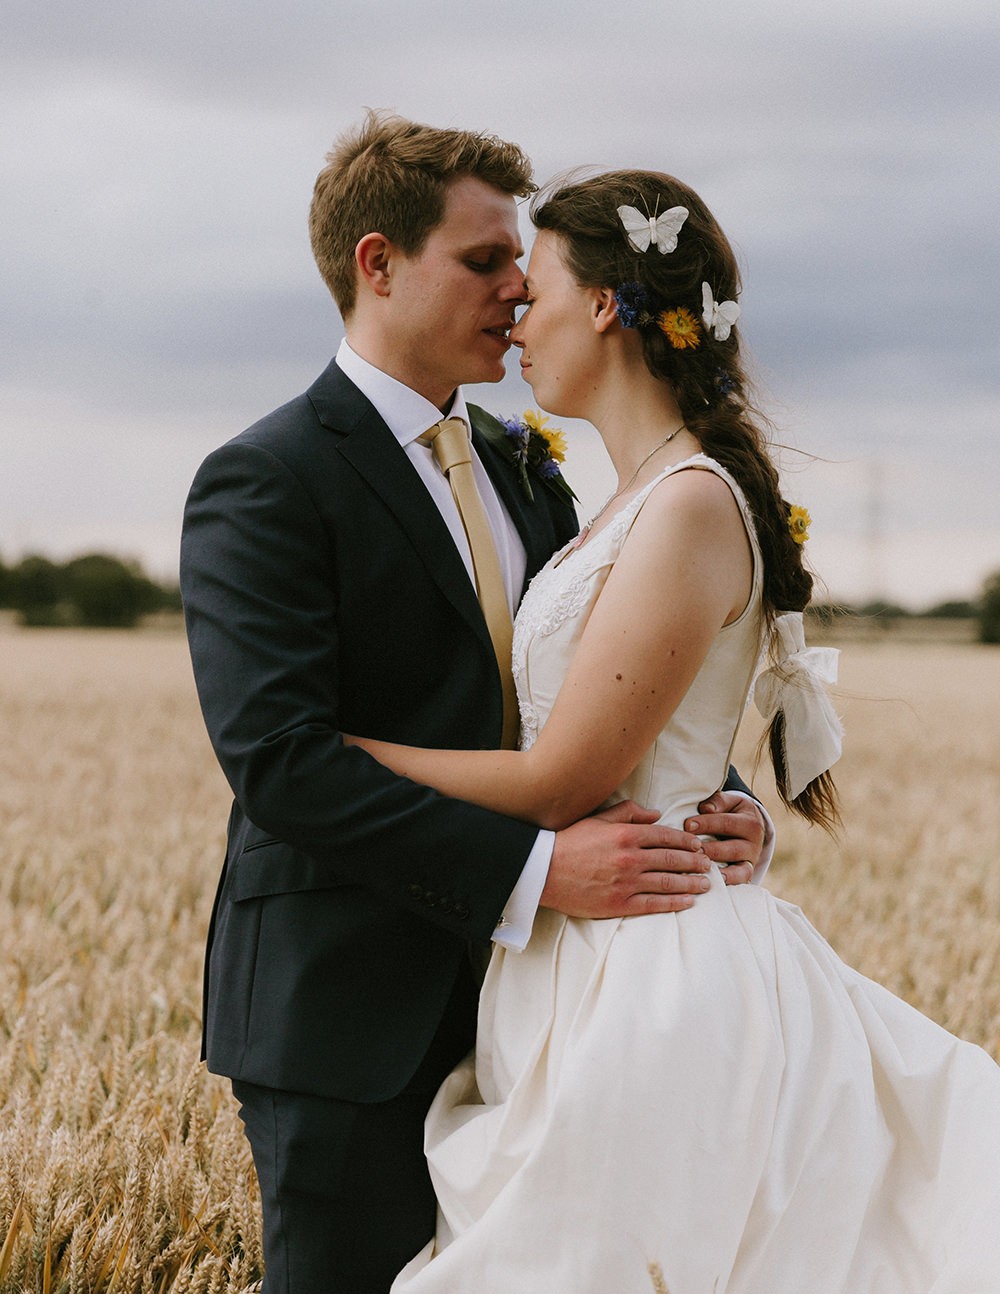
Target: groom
{"type": "Point", "coordinates": [328, 587]}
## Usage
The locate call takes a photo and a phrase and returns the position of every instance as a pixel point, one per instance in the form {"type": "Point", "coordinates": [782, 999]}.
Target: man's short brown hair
{"type": "Point", "coordinates": [390, 176]}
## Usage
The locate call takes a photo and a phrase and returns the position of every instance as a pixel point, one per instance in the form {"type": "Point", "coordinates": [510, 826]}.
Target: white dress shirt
{"type": "Point", "coordinates": [408, 415]}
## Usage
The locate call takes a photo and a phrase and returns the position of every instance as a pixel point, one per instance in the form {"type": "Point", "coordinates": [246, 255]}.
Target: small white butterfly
{"type": "Point", "coordinates": [719, 316]}
{"type": "Point", "coordinates": [661, 230]}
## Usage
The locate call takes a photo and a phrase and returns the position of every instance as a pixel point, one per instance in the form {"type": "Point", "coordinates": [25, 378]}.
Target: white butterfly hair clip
{"type": "Point", "coordinates": [661, 230]}
{"type": "Point", "coordinates": [717, 316]}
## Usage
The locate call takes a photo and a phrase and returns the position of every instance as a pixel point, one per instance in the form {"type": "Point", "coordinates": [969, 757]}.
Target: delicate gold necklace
{"type": "Point", "coordinates": [628, 484]}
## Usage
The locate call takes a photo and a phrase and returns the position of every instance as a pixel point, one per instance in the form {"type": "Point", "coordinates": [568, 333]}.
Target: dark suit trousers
{"type": "Point", "coordinates": [346, 1196]}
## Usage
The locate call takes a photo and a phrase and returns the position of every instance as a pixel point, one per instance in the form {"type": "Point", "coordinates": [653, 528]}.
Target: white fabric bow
{"type": "Point", "coordinates": [661, 230]}
{"type": "Point", "coordinates": [797, 684]}
{"type": "Point", "coordinates": [717, 316]}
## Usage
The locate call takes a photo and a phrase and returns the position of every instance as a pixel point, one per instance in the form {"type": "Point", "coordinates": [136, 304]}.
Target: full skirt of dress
{"type": "Point", "coordinates": [713, 1096]}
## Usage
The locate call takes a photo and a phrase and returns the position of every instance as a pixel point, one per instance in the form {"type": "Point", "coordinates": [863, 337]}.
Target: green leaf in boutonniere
{"type": "Point", "coordinates": [534, 448]}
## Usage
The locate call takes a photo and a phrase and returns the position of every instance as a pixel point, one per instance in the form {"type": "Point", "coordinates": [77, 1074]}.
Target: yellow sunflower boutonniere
{"type": "Point", "coordinates": [538, 425]}
{"type": "Point", "coordinates": [799, 522]}
{"type": "Point", "coordinates": [680, 328]}
{"type": "Point", "coordinates": [532, 444]}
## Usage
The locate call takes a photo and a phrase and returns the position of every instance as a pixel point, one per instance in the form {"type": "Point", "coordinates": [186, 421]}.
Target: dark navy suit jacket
{"type": "Point", "coordinates": [323, 594]}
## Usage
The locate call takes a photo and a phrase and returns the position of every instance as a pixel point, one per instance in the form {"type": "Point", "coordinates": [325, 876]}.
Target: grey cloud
{"type": "Point", "coordinates": [159, 161]}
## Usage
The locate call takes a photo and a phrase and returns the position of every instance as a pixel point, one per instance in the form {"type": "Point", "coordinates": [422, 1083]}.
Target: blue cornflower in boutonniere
{"type": "Point", "coordinates": [531, 443]}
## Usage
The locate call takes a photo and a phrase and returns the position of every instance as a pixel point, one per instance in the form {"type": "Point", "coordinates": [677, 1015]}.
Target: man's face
{"type": "Point", "coordinates": [451, 305]}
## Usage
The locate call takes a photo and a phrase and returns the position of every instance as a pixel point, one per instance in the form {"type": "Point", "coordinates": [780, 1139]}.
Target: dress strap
{"type": "Point", "coordinates": [702, 462]}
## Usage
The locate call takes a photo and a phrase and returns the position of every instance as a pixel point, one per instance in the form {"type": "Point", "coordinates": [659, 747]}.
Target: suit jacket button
{"type": "Point", "coordinates": [415, 891]}
{"type": "Point", "coordinates": [446, 905]}
{"type": "Point", "coordinates": [462, 911]}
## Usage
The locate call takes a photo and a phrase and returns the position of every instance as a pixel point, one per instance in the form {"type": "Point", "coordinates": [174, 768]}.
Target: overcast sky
{"type": "Point", "coordinates": [159, 294]}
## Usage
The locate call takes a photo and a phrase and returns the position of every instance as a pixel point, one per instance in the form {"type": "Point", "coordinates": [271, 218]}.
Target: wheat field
{"type": "Point", "coordinates": [122, 1163]}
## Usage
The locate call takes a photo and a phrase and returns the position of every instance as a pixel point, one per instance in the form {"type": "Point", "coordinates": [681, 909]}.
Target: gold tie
{"type": "Point", "coordinates": [450, 442]}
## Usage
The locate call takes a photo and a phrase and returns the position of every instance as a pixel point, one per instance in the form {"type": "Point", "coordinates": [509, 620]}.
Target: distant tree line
{"type": "Point", "coordinates": [985, 610]}
{"type": "Point", "coordinates": [95, 590]}
{"type": "Point", "coordinates": [100, 591]}
{"type": "Point", "coordinates": [989, 610]}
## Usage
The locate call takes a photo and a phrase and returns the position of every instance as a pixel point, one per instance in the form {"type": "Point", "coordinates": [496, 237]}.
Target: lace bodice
{"type": "Point", "coordinates": [690, 757]}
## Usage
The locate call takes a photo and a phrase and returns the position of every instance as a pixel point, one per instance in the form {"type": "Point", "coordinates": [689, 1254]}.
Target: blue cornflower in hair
{"type": "Point", "coordinates": [634, 305]}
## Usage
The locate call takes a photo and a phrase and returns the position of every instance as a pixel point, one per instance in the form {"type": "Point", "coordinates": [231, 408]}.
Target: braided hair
{"type": "Point", "coordinates": [705, 373]}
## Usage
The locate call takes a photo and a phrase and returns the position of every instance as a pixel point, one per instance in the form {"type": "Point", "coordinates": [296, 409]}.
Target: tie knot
{"type": "Point", "coordinates": [450, 441]}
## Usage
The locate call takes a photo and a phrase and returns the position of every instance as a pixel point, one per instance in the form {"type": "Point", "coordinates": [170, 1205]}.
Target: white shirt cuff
{"type": "Point", "coordinates": [514, 929]}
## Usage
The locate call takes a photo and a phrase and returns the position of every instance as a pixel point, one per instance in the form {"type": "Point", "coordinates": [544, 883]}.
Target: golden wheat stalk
{"type": "Point", "coordinates": [123, 1165]}
{"type": "Point", "coordinates": [656, 1276]}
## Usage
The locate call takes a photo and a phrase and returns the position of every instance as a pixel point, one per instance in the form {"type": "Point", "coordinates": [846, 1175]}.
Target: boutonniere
{"type": "Point", "coordinates": [532, 444]}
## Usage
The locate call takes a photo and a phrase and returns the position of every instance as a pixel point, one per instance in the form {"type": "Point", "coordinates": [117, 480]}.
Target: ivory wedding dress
{"type": "Point", "coordinates": [711, 1095]}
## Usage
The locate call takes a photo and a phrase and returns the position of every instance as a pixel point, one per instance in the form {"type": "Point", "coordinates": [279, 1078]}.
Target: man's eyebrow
{"type": "Point", "coordinates": [492, 247]}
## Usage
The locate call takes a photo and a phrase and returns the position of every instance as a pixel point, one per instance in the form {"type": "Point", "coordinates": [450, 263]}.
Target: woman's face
{"type": "Point", "coordinates": [556, 332]}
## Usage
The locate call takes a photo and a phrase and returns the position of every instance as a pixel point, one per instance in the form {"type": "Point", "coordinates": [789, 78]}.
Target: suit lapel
{"type": "Point", "coordinates": [374, 452]}
{"type": "Point", "coordinates": [529, 518]}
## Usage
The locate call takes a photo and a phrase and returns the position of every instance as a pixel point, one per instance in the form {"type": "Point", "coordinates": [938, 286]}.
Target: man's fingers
{"type": "Point", "coordinates": [641, 905]}
{"type": "Point", "coordinates": [737, 873]}
{"type": "Point", "coordinates": [731, 802]}
{"type": "Point", "coordinates": [741, 827]}
{"type": "Point", "coordinates": [672, 883]}
{"type": "Point", "coordinates": [674, 850]}
{"type": "Point", "coordinates": [628, 811]}
{"type": "Point", "coordinates": [629, 863]}
{"type": "Point", "coordinates": [731, 850]}
{"type": "Point", "coordinates": [675, 859]}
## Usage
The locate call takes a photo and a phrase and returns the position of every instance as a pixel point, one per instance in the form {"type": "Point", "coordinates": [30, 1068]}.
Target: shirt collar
{"type": "Point", "coordinates": [404, 411]}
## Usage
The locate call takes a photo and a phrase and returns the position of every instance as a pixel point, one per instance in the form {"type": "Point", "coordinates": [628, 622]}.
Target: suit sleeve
{"type": "Point", "coordinates": [262, 625]}
{"type": "Point", "coordinates": [736, 783]}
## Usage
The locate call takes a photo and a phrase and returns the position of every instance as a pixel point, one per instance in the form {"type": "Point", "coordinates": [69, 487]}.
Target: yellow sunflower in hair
{"type": "Point", "coordinates": [680, 327]}
{"type": "Point", "coordinates": [799, 522]}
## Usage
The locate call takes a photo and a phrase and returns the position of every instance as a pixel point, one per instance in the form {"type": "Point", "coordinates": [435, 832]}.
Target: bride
{"type": "Point", "coordinates": [709, 1102]}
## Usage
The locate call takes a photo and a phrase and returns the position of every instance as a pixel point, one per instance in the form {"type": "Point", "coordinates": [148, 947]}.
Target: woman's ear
{"type": "Point", "coordinates": [605, 309]}
{"type": "Point", "coordinates": [373, 257]}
